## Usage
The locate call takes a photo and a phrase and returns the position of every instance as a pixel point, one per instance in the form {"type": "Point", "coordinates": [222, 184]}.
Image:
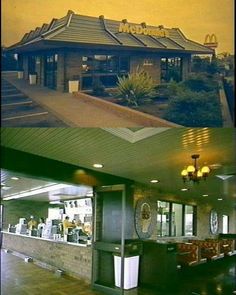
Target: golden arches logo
{"type": "Point", "coordinates": [210, 39]}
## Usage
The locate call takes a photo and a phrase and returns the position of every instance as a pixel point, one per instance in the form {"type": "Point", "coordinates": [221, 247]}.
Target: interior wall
{"type": "Point", "coordinates": [15, 209]}
{"type": "Point", "coordinates": [203, 210]}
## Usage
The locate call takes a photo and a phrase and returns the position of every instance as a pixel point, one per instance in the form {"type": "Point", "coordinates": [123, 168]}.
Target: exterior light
{"type": "Point", "coordinates": [195, 173]}
{"type": "Point", "coordinates": [15, 178]}
{"type": "Point", "coordinates": [98, 165]}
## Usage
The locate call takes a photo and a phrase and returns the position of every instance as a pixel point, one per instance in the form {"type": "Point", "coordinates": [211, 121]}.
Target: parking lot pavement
{"type": "Point", "coordinates": [18, 110]}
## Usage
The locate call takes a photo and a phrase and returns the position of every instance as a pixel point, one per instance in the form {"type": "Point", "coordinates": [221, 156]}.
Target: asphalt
{"type": "Point", "coordinates": [71, 110]}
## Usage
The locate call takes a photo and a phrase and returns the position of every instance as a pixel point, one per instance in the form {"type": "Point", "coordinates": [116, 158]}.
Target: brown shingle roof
{"type": "Point", "coordinates": [79, 29]}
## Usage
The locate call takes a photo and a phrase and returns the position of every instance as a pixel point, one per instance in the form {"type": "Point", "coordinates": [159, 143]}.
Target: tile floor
{"type": "Point", "coordinates": [21, 278]}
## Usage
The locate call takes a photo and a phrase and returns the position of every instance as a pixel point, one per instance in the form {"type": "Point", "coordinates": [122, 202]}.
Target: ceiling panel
{"type": "Point", "coordinates": [161, 155]}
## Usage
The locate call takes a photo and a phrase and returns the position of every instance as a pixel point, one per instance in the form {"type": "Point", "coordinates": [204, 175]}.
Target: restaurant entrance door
{"type": "Point", "coordinates": [50, 73]}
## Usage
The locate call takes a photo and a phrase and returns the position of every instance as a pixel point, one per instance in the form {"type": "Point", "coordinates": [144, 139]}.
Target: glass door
{"type": "Point", "coordinates": [50, 78]}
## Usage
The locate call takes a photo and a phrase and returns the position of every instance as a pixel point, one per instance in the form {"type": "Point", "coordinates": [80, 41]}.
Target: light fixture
{"type": "Point", "coordinates": [184, 189]}
{"type": "Point", "coordinates": [205, 195]}
{"type": "Point", "coordinates": [15, 178]}
{"type": "Point", "coordinates": [98, 165]}
{"type": "Point", "coordinates": [193, 172]}
{"type": "Point", "coordinates": [154, 181]}
{"type": "Point", "coordinates": [220, 199]}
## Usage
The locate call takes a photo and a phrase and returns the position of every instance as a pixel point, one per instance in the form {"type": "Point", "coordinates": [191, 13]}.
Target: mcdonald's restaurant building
{"type": "Point", "coordinates": [81, 48]}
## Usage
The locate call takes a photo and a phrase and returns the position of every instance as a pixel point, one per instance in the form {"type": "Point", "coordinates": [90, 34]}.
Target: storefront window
{"type": "Point", "coordinates": [32, 64]}
{"type": "Point", "coordinates": [171, 69]}
{"type": "Point", "coordinates": [105, 64]}
{"type": "Point", "coordinates": [176, 220]}
{"type": "Point", "coordinates": [225, 225]}
{"type": "Point", "coordinates": [51, 71]}
{"type": "Point", "coordinates": [163, 216]}
{"type": "Point", "coordinates": [188, 220]}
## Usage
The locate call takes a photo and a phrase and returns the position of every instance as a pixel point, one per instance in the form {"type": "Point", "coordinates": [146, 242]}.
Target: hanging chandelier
{"type": "Point", "coordinates": [195, 173]}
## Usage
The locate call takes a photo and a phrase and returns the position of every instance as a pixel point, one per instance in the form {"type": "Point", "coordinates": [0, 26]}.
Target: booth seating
{"type": "Point", "coordinates": [209, 249]}
{"type": "Point", "coordinates": [231, 239]}
{"type": "Point", "coordinates": [226, 246]}
{"type": "Point", "coordinates": [189, 254]}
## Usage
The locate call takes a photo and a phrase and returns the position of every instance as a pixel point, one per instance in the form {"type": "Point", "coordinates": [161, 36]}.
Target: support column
{"type": "Point", "coordinates": [26, 67]}
{"type": "Point", "coordinates": [186, 67]}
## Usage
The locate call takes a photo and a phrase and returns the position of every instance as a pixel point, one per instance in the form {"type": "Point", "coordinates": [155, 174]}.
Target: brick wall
{"type": "Point", "coordinates": [61, 72]}
{"type": "Point", "coordinates": [73, 64]}
{"type": "Point", "coordinates": [25, 67]}
{"type": "Point", "coordinates": [13, 210]}
{"type": "Point", "coordinates": [150, 65]}
{"type": "Point", "coordinates": [75, 260]}
{"type": "Point", "coordinates": [186, 67]}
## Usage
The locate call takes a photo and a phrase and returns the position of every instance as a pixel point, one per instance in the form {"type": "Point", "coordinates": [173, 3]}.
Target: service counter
{"type": "Point", "coordinates": [74, 259]}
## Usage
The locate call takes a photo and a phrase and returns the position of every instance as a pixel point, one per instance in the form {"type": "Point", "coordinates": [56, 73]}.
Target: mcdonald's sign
{"type": "Point", "coordinates": [211, 41]}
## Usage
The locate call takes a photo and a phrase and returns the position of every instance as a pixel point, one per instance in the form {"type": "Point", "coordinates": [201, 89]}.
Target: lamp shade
{"type": "Point", "coordinates": [205, 170]}
{"type": "Point", "coordinates": [184, 173]}
{"type": "Point", "coordinates": [191, 169]}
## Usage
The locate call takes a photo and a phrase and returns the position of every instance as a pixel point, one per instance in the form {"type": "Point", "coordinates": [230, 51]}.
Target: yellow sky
{"type": "Point", "coordinates": [195, 18]}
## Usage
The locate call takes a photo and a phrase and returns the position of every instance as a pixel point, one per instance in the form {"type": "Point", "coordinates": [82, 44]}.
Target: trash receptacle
{"type": "Point", "coordinates": [73, 86]}
{"type": "Point", "coordinates": [20, 74]}
{"type": "Point", "coordinates": [131, 267]}
{"type": "Point", "coordinates": [133, 250]}
{"type": "Point", "coordinates": [32, 79]}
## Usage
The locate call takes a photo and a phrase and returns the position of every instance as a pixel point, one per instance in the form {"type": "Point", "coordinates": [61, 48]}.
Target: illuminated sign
{"type": "Point", "coordinates": [211, 41]}
{"type": "Point", "coordinates": [139, 30]}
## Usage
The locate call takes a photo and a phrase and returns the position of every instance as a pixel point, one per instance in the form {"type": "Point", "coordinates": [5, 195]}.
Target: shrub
{"type": "Point", "coordinates": [136, 86]}
{"type": "Point", "coordinates": [200, 82]}
{"type": "Point", "coordinates": [98, 87]}
{"type": "Point", "coordinates": [195, 109]}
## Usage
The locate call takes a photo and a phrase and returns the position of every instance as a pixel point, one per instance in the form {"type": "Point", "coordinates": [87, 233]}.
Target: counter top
{"type": "Point", "coordinates": [48, 240]}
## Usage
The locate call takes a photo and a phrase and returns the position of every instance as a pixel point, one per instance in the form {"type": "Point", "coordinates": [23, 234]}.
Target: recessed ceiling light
{"type": "Point", "coordinates": [6, 187]}
{"type": "Point", "coordinates": [15, 178]}
{"type": "Point", "coordinates": [98, 165]}
{"type": "Point", "coordinates": [184, 189]}
{"type": "Point", "coordinates": [220, 199]}
{"type": "Point", "coordinates": [205, 195]}
{"type": "Point", "coordinates": [154, 181]}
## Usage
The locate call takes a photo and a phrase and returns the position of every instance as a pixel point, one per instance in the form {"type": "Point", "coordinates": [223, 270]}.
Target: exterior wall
{"type": "Point", "coordinates": [73, 66]}
{"type": "Point", "coordinates": [186, 67]}
{"type": "Point", "coordinates": [61, 72]}
{"type": "Point", "coordinates": [153, 68]}
{"type": "Point", "coordinates": [13, 210]}
{"type": "Point", "coordinates": [42, 68]}
{"type": "Point", "coordinates": [38, 69]}
{"type": "Point", "coordinates": [75, 260]}
{"type": "Point", "coordinates": [26, 67]}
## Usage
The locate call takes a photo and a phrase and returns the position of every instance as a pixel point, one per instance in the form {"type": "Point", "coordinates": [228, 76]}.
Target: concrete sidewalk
{"type": "Point", "coordinates": [81, 110]}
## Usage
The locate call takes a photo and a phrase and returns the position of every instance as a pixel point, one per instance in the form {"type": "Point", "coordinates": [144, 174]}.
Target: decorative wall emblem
{"type": "Point", "coordinates": [214, 222]}
{"type": "Point", "coordinates": [145, 218]}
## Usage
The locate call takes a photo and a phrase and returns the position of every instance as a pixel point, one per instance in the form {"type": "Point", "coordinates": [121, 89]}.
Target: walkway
{"type": "Point", "coordinates": [17, 109]}
{"type": "Point", "coordinates": [227, 119]}
{"type": "Point", "coordinates": [81, 110]}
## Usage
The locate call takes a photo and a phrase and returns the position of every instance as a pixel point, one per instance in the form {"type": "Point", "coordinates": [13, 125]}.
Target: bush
{"type": "Point", "coordinates": [135, 87]}
{"type": "Point", "coordinates": [200, 82]}
{"type": "Point", "coordinates": [98, 87]}
{"type": "Point", "coordinates": [195, 109]}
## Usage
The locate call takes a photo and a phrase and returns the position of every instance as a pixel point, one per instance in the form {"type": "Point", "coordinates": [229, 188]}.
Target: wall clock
{"type": "Point", "coordinates": [214, 222]}
{"type": "Point", "coordinates": [145, 218]}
